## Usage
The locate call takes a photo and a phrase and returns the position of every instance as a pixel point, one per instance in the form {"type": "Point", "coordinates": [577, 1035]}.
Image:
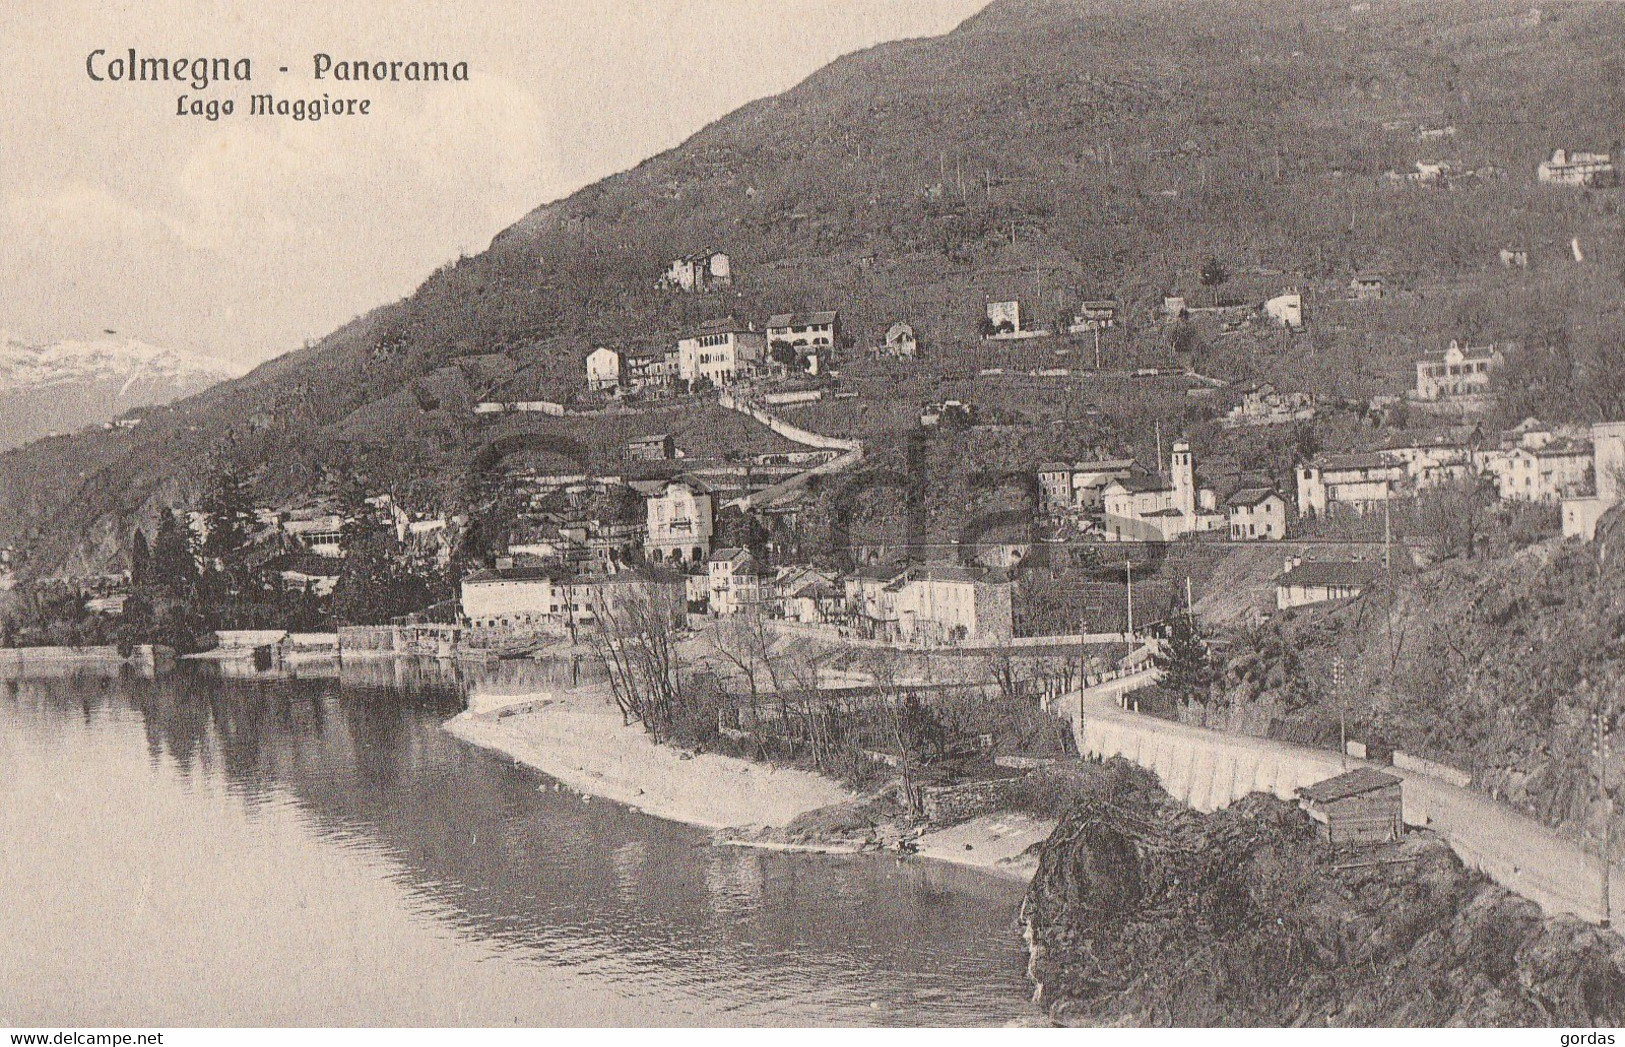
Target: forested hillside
{"type": "Point", "coordinates": [1046, 150]}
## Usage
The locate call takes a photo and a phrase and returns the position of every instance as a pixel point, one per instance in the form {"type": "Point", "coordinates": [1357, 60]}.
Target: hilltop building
{"type": "Point", "coordinates": [898, 343]}
{"type": "Point", "coordinates": [697, 274]}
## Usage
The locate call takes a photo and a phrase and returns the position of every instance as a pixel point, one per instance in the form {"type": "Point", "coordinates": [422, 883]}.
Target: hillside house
{"type": "Point", "coordinates": [720, 351]}
{"type": "Point", "coordinates": [322, 535]}
{"type": "Point", "coordinates": [697, 274]}
{"type": "Point", "coordinates": [736, 582]}
{"type": "Point", "coordinates": [1067, 487]}
{"type": "Point", "coordinates": [1302, 584]}
{"type": "Point", "coordinates": [1286, 309]}
{"type": "Point", "coordinates": [655, 448]}
{"type": "Point", "coordinates": [898, 342]}
{"type": "Point", "coordinates": [1366, 287]}
{"type": "Point", "coordinates": [680, 525]}
{"type": "Point", "coordinates": [1003, 318]}
{"type": "Point", "coordinates": [1265, 406]}
{"type": "Point", "coordinates": [649, 370]}
{"type": "Point", "coordinates": [1158, 509]}
{"type": "Point", "coordinates": [1256, 514]}
{"type": "Point", "coordinates": [603, 369]}
{"type": "Point", "coordinates": [1589, 170]}
{"type": "Point", "coordinates": [1361, 481]}
{"type": "Point", "coordinates": [1540, 470]}
{"type": "Point", "coordinates": [806, 333]}
{"type": "Point", "coordinates": [1096, 315]}
{"type": "Point", "coordinates": [1362, 806]}
{"type": "Point", "coordinates": [1460, 370]}
{"type": "Point", "coordinates": [1514, 259]}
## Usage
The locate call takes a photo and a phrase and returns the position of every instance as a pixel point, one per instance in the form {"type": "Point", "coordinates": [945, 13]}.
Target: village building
{"type": "Point", "coordinates": [1067, 487]}
{"type": "Point", "coordinates": [1158, 509]}
{"type": "Point", "coordinates": [697, 274]}
{"type": "Point", "coordinates": [1360, 481]}
{"type": "Point", "coordinates": [806, 333]}
{"type": "Point", "coordinates": [1590, 170]}
{"type": "Point", "coordinates": [322, 534]}
{"type": "Point", "coordinates": [1514, 259]}
{"type": "Point", "coordinates": [898, 342]}
{"type": "Point", "coordinates": [655, 448]}
{"type": "Point", "coordinates": [679, 522]}
{"type": "Point", "coordinates": [1266, 406]}
{"type": "Point", "coordinates": [603, 369]}
{"type": "Point", "coordinates": [1302, 584]}
{"type": "Point", "coordinates": [512, 599]}
{"type": "Point", "coordinates": [1365, 287]}
{"type": "Point", "coordinates": [807, 595]}
{"type": "Point", "coordinates": [1257, 514]}
{"type": "Point", "coordinates": [736, 582]}
{"type": "Point", "coordinates": [1548, 471]}
{"type": "Point", "coordinates": [719, 351]}
{"type": "Point", "coordinates": [930, 605]}
{"type": "Point", "coordinates": [1096, 315]}
{"type": "Point", "coordinates": [1460, 370]}
{"type": "Point", "coordinates": [1362, 806]}
{"type": "Point", "coordinates": [649, 370]}
{"type": "Point", "coordinates": [1581, 514]}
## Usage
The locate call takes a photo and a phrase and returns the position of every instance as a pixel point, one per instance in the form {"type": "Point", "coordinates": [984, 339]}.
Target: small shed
{"type": "Point", "coordinates": [1360, 806]}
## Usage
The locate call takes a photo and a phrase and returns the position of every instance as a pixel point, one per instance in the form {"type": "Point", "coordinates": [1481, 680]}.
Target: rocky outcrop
{"type": "Point", "coordinates": [1146, 912]}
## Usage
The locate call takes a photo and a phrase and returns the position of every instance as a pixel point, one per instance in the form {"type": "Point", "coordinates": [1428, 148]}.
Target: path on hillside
{"type": "Point", "coordinates": [1209, 769]}
{"type": "Point", "coordinates": [851, 452]}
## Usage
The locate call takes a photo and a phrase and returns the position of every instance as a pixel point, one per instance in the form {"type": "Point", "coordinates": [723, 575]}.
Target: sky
{"type": "Point", "coordinates": [243, 237]}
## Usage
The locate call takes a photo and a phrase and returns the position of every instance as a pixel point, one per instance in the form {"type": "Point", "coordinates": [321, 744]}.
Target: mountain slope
{"type": "Point", "coordinates": [67, 385]}
{"type": "Point", "coordinates": [1043, 150]}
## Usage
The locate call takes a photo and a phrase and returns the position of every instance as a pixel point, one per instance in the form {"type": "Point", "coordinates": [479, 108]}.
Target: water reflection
{"type": "Point", "coordinates": [645, 911]}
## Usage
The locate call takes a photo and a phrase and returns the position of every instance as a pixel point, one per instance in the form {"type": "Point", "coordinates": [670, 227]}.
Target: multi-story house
{"type": "Point", "coordinates": [603, 369]}
{"type": "Point", "coordinates": [1257, 514]}
{"type": "Point", "coordinates": [1460, 370]}
{"type": "Point", "coordinates": [679, 514]}
{"type": "Point", "coordinates": [736, 582]}
{"type": "Point", "coordinates": [1080, 486]}
{"type": "Point", "coordinates": [816, 332]}
{"type": "Point", "coordinates": [1361, 481]}
{"type": "Point", "coordinates": [697, 273]}
{"type": "Point", "coordinates": [719, 351]}
{"type": "Point", "coordinates": [1578, 169]}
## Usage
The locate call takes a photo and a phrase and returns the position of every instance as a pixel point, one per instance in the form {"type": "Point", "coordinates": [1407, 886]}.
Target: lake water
{"type": "Point", "coordinates": [200, 849]}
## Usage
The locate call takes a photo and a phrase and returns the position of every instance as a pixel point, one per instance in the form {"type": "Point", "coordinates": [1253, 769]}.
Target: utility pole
{"type": "Point", "coordinates": [1600, 750]}
{"type": "Point", "coordinates": [1342, 719]}
{"type": "Point", "coordinates": [1190, 605]}
{"type": "Point", "coordinates": [1128, 569]}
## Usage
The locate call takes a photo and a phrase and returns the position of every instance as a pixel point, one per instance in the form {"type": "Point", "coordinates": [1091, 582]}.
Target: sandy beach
{"type": "Point", "coordinates": [577, 737]}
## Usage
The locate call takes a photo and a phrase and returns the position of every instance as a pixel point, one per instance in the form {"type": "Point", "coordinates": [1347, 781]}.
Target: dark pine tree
{"type": "Point", "coordinates": [140, 561]}
{"type": "Point", "coordinates": [1187, 666]}
{"type": "Point", "coordinates": [173, 565]}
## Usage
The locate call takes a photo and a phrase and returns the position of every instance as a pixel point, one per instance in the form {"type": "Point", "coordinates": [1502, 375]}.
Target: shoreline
{"type": "Point", "coordinates": [577, 737]}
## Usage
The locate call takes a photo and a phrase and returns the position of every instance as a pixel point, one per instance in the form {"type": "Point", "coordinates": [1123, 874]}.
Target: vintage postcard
{"type": "Point", "coordinates": [809, 513]}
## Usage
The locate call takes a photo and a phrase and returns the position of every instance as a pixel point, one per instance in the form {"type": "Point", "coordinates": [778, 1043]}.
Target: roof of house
{"type": "Point", "coordinates": [880, 572]}
{"type": "Point", "coordinates": [1359, 460]}
{"type": "Point", "coordinates": [512, 574]}
{"type": "Point", "coordinates": [1351, 783]}
{"type": "Point", "coordinates": [731, 553]}
{"type": "Point", "coordinates": [653, 439]}
{"type": "Point", "coordinates": [1143, 484]}
{"type": "Point", "coordinates": [1253, 496]}
{"type": "Point", "coordinates": [826, 316]}
{"type": "Point", "coordinates": [1329, 574]}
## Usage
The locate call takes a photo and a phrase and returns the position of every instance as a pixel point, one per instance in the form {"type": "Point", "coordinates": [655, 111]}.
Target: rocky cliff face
{"type": "Point", "coordinates": [1145, 912]}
